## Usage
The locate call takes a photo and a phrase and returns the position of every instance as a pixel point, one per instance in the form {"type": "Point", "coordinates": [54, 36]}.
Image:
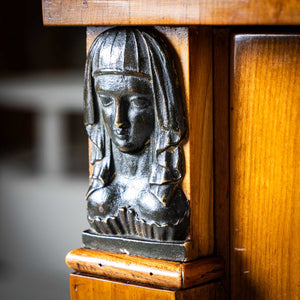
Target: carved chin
{"type": "Point", "coordinates": [126, 149]}
{"type": "Point", "coordinates": [129, 148]}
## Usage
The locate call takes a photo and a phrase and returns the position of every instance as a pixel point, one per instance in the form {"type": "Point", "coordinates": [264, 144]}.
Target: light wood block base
{"type": "Point", "coordinates": [144, 270]}
{"type": "Point", "coordinates": [84, 287]}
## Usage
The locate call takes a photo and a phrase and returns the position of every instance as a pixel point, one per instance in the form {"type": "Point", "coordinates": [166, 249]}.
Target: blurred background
{"type": "Point", "coordinates": [43, 154]}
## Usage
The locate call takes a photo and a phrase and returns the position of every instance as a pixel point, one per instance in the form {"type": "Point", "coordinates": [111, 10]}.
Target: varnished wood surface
{"type": "Point", "coordinates": [171, 12]}
{"type": "Point", "coordinates": [209, 291]}
{"type": "Point", "coordinates": [221, 147]}
{"type": "Point", "coordinates": [193, 47]}
{"type": "Point", "coordinates": [178, 37]}
{"type": "Point", "coordinates": [145, 270]}
{"type": "Point", "coordinates": [125, 267]}
{"type": "Point", "coordinates": [85, 287]}
{"type": "Point", "coordinates": [201, 270]}
{"type": "Point", "coordinates": [200, 143]}
{"type": "Point", "coordinates": [265, 167]}
{"type": "Point", "coordinates": [194, 50]}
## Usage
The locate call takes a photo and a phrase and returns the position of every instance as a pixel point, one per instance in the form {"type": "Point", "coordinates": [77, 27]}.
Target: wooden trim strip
{"type": "Point", "coordinates": [171, 12]}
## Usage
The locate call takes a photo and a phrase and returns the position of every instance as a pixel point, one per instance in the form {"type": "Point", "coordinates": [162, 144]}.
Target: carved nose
{"type": "Point", "coordinates": [120, 115]}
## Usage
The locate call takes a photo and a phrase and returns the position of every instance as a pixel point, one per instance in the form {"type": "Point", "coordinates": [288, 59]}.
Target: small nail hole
{"type": "Point", "coordinates": [151, 274]}
{"type": "Point", "coordinates": [100, 265]}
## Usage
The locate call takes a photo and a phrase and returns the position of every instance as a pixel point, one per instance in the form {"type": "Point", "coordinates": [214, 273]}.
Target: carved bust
{"type": "Point", "coordinates": [135, 119]}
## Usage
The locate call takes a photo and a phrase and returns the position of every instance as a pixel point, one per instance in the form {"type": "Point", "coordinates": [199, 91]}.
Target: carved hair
{"type": "Point", "coordinates": [142, 53]}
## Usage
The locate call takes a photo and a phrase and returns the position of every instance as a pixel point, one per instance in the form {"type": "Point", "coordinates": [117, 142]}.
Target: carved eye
{"type": "Point", "coordinates": [106, 100]}
{"type": "Point", "coordinates": [140, 102]}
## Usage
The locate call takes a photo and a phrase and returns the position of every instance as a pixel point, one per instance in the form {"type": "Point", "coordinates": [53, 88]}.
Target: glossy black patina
{"type": "Point", "coordinates": [135, 119]}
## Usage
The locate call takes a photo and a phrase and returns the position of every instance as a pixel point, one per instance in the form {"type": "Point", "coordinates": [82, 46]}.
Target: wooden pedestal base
{"type": "Point", "coordinates": [142, 278]}
{"type": "Point", "coordinates": [85, 287]}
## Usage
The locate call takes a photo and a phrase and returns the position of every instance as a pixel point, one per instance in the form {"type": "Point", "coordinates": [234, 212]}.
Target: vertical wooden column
{"type": "Point", "coordinates": [167, 279]}
{"type": "Point", "coordinates": [265, 166]}
{"type": "Point", "coordinates": [200, 115]}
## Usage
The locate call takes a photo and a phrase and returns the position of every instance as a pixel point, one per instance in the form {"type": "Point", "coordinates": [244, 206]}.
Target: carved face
{"type": "Point", "coordinates": [126, 104]}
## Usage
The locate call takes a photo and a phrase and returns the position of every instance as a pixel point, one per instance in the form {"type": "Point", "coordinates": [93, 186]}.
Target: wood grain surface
{"type": "Point", "coordinates": [85, 287]}
{"type": "Point", "coordinates": [145, 270]}
{"type": "Point", "coordinates": [193, 47]}
{"type": "Point", "coordinates": [178, 37]}
{"type": "Point", "coordinates": [265, 166]}
{"type": "Point", "coordinates": [200, 143]}
{"type": "Point", "coordinates": [171, 12]}
{"type": "Point", "coordinates": [221, 148]}
{"type": "Point", "coordinates": [209, 291]}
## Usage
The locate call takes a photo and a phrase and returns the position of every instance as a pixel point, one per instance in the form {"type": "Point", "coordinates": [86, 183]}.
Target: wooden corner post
{"type": "Point", "coordinates": [169, 279]}
{"type": "Point", "coordinates": [138, 248]}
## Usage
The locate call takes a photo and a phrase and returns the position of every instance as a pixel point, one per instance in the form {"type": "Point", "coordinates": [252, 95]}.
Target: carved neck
{"type": "Point", "coordinates": [132, 165]}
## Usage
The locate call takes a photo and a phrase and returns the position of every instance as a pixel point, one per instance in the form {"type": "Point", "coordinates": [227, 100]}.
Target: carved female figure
{"type": "Point", "coordinates": [135, 120]}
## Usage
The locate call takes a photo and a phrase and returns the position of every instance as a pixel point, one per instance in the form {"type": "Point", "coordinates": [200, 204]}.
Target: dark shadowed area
{"type": "Point", "coordinates": [43, 153]}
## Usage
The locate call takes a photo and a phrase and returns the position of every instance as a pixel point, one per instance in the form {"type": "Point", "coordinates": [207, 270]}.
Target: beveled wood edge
{"type": "Point", "coordinates": [156, 272]}
{"type": "Point", "coordinates": [176, 12]}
